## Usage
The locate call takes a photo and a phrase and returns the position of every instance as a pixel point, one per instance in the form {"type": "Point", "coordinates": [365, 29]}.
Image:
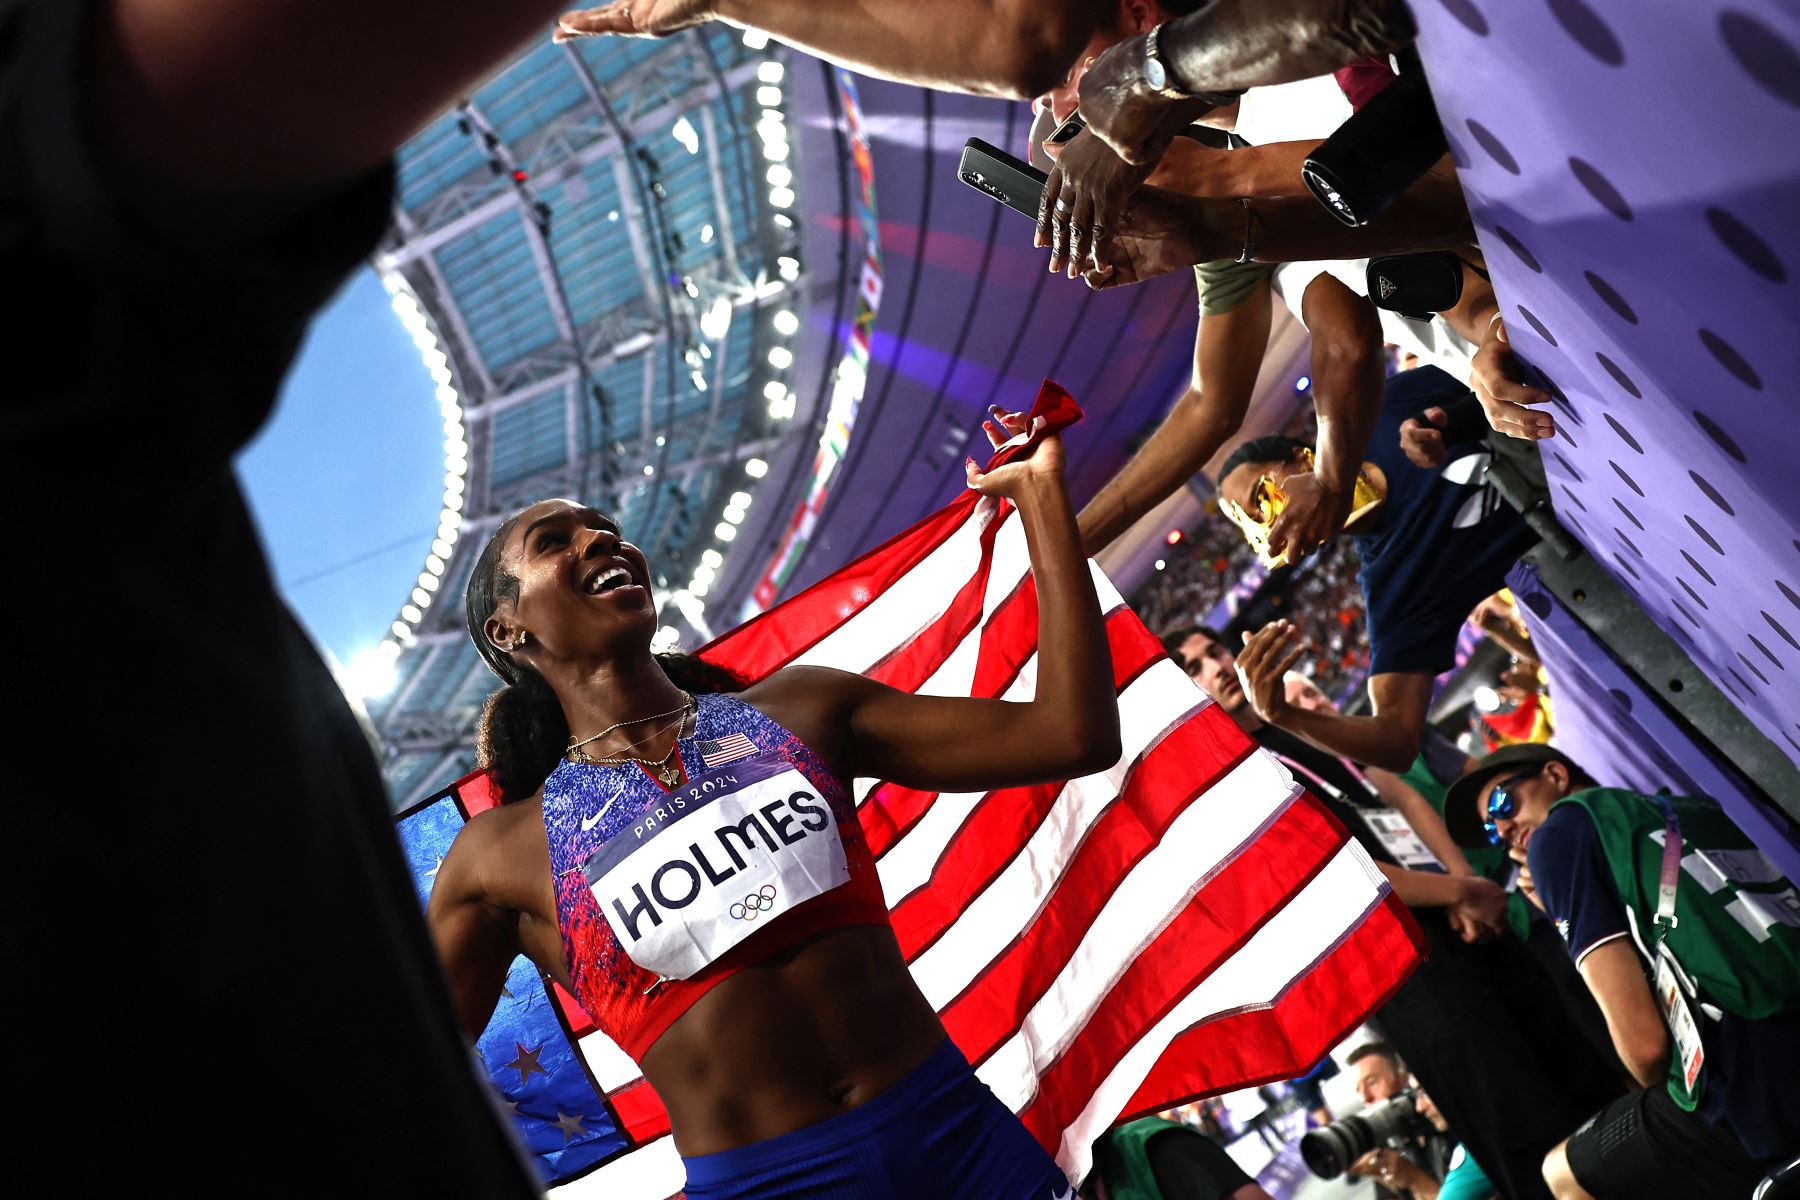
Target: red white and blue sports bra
{"type": "Point", "coordinates": [661, 895]}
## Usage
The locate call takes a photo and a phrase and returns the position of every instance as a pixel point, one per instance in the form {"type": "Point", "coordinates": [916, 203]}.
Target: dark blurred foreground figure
{"type": "Point", "coordinates": [1689, 939]}
{"type": "Point", "coordinates": [219, 978]}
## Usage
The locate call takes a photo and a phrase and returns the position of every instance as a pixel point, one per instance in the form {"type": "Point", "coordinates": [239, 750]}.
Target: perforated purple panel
{"type": "Point", "coordinates": [1632, 166]}
{"type": "Point", "coordinates": [1615, 728]}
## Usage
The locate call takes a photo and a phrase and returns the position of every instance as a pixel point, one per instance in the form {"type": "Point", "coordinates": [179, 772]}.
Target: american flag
{"type": "Point", "coordinates": [727, 749]}
{"type": "Point", "coordinates": [1187, 922]}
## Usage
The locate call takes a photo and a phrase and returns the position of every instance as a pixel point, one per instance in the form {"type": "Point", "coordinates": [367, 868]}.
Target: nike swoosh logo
{"type": "Point", "coordinates": [588, 823]}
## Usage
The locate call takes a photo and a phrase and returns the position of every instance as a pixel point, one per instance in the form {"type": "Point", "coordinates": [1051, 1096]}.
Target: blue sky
{"type": "Point", "coordinates": [348, 478]}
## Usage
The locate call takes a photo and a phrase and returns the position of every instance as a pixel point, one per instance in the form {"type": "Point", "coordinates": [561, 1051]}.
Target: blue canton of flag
{"type": "Point", "coordinates": [727, 749]}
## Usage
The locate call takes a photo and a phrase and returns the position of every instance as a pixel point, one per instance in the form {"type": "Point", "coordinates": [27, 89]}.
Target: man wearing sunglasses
{"type": "Point", "coordinates": [1479, 1022]}
{"type": "Point", "coordinates": [1689, 939]}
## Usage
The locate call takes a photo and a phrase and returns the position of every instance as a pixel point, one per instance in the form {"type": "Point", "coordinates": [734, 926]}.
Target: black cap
{"type": "Point", "coordinates": [1460, 814]}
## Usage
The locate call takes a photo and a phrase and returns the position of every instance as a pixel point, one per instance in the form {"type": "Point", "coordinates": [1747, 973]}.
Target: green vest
{"type": "Point", "coordinates": [1489, 862]}
{"type": "Point", "coordinates": [1737, 927]}
{"type": "Point", "coordinates": [1122, 1157]}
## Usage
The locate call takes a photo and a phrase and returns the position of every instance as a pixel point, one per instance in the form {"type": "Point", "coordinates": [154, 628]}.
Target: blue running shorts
{"type": "Point", "coordinates": [939, 1133]}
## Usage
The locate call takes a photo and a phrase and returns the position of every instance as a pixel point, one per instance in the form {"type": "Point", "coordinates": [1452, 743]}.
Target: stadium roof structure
{"type": "Point", "coordinates": [794, 237]}
{"type": "Point", "coordinates": [595, 252]}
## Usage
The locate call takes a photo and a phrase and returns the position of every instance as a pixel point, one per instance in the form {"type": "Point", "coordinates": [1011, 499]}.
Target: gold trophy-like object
{"type": "Point", "coordinates": [1271, 500]}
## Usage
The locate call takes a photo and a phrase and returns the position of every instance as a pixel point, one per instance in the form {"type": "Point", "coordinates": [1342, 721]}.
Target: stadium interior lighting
{"type": "Point", "coordinates": [715, 322]}
{"type": "Point", "coordinates": [725, 531]}
{"type": "Point", "coordinates": [372, 673]}
{"type": "Point", "coordinates": [780, 357]}
{"type": "Point", "coordinates": [756, 468]}
{"type": "Point", "coordinates": [786, 323]}
{"type": "Point", "coordinates": [685, 133]}
{"type": "Point", "coordinates": [769, 97]}
{"type": "Point", "coordinates": [756, 39]}
{"type": "Point", "coordinates": [781, 197]}
{"type": "Point", "coordinates": [770, 71]}
{"type": "Point", "coordinates": [712, 558]}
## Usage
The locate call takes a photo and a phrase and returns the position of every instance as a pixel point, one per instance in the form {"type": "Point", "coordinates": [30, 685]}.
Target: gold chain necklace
{"type": "Point", "coordinates": [686, 703]}
{"type": "Point", "coordinates": [667, 773]}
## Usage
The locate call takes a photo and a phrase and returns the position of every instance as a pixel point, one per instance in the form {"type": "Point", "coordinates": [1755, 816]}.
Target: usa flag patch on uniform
{"type": "Point", "coordinates": [730, 748]}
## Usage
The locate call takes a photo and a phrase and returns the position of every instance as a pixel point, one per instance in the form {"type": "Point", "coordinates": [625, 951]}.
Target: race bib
{"type": "Point", "coordinates": [1680, 1018]}
{"type": "Point", "coordinates": [1397, 835]}
{"type": "Point", "coordinates": [713, 862]}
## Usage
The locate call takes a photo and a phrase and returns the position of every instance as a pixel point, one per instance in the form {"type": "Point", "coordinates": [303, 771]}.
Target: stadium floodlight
{"type": "Point", "coordinates": [756, 468]}
{"type": "Point", "coordinates": [433, 563]}
{"type": "Point", "coordinates": [685, 133]}
{"type": "Point", "coordinates": [770, 71]}
{"type": "Point", "coordinates": [786, 323]}
{"type": "Point", "coordinates": [782, 197]}
{"type": "Point", "coordinates": [769, 97]}
{"type": "Point", "coordinates": [755, 39]}
{"type": "Point", "coordinates": [411, 615]}
{"type": "Point", "coordinates": [712, 558]}
{"type": "Point", "coordinates": [780, 176]}
{"type": "Point", "coordinates": [372, 673]}
{"type": "Point", "coordinates": [780, 357]}
{"type": "Point", "coordinates": [740, 499]}
{"type": "Point", "coordinates": [715, 322]}
{"type": "Point", "coordinates": [725, 532]}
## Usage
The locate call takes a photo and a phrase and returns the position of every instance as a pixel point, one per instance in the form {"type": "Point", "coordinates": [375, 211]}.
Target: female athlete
{"type": "Point", "coordinates": [685, 858]}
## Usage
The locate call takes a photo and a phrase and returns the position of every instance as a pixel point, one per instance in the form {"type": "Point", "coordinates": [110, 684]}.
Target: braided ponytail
{"type": "Point", "coordinates": [523, 733]}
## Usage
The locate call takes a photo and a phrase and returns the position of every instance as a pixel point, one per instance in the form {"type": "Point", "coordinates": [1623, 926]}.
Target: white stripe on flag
{"type": "Point", "coordinates": [1148, 708]}
{"type": "Point", "coordinates": [612, 1067]}
{"type": "Point", "coordinates": [650, 1173]}
{"type": "Point", "coordinates": [911, 604]}
{"type": "Point", "coordinates": [1295, 938]}
{"type": "Point", "coordinates": [1195, 845]}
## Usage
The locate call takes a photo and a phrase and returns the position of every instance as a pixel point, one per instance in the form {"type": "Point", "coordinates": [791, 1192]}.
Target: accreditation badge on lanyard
{"type": "Point", "coordinates": [715, 860]}
{"type": "Point", "coordinates": [1671, 994]}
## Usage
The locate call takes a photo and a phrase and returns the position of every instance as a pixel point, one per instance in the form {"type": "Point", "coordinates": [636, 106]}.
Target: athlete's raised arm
{"type": "Point", "coordinates": [1070, 728]}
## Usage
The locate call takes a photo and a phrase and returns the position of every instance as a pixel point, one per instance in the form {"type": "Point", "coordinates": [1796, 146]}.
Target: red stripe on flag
{"type": "Point", "coordinates": [1160, 978]}
{"type": "Point", "coordinates": [760, 647]}
{"type": "Point", "coordinates": [1001, 822]}
{"type": "Point", "coordinates": [1258, 1046]}
{"type": "Point", "coordinates": [990, 1010]}
{"type": "Point", "coordinates": [909, 666]}
{"type": "Point", "coordinates": [641, 1114]}
{"type": "Point", "coordinates": [890, 811]}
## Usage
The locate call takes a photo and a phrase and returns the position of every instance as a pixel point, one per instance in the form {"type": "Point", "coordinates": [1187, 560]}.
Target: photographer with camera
{"type": "Point", "coordinates": [1394, 1140]}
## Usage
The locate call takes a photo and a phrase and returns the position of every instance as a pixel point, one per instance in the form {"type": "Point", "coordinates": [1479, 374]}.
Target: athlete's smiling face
{"type": "Point", "coordinates": [584, 592]}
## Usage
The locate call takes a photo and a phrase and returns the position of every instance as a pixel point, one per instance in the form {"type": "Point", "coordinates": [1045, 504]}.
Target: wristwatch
{"type": "Point", "coordinates": [1156, 71]}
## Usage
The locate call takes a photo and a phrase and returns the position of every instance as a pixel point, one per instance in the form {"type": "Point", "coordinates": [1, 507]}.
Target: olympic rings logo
{"type": "Point", "coordinates": [759, 901]}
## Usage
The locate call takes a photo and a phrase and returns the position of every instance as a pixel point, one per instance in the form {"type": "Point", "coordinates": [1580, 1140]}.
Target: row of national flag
{"type": "Point", "coordinates": [1186, 922]}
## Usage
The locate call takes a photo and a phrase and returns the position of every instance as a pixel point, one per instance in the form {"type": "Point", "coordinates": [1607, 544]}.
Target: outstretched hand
{"type": "Point", "coordinates": [1313, 514]}
{"type": "Point", "coordinates": [1161, 231]}
{"type": "Point", "coordinates": [1423, 440]}
{"type": "Point", "coordinates": [1494, 376]}
{"type": "Point", "coordinates": [634, 18]}
{"type": "Point", "coordinates": [1083, 200]}
{"type": "Point", "coordinates": [1043, 463]}
{"type": "Point", "coordinates": [1262, 667]}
